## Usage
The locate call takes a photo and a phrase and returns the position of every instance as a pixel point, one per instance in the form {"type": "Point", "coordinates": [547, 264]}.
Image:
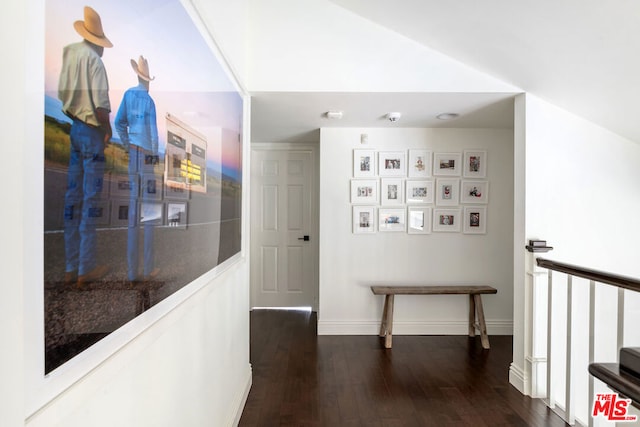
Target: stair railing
{"type": "Point", "coordinates": [543, 318]}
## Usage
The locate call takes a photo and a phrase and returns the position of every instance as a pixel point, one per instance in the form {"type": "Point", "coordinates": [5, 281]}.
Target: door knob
{"type": "Point", "coordinates": [305, 238]}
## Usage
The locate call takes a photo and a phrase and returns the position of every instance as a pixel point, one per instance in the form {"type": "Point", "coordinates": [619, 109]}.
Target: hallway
{"type": "Point", "coordinates": [301, 379]}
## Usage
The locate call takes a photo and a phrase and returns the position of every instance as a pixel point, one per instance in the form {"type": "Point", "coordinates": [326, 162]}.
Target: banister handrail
{"type": "Point", "coordinates": [590, 274]}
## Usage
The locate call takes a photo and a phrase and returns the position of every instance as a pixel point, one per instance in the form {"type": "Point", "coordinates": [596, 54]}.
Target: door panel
{"type": "Point", "coordinates": [283, 263]}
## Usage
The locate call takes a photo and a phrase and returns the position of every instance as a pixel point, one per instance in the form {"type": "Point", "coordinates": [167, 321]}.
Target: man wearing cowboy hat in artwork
{"type": "Point", "coordinates": [83, 88]}
{"type": "Point", "coordinates": [136, 125]}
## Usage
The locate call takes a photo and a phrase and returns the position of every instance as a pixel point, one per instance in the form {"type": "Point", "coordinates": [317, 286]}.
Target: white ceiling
{"type": "Point", "coordinates": [581, 55]}
{"type": "Point", "coordinates": [297, 116]}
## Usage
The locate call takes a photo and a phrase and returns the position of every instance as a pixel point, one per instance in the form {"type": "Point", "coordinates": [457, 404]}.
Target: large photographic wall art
{"type": "Point", "coordinates": [132, 217]}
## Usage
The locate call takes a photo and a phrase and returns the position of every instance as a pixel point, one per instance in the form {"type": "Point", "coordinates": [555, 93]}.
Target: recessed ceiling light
{"type": "Point", "coordinates": [447, 116]}
{"type": "Point", "coordinates": [334, 115]}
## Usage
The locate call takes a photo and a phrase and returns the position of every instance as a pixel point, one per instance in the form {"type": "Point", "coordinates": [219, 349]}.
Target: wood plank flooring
{"type": "Point", "coordinates": [301, 379]}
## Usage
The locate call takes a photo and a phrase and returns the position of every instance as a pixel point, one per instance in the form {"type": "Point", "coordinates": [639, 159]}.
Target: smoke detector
{"type": "Point", "coordinates": [394, 117]}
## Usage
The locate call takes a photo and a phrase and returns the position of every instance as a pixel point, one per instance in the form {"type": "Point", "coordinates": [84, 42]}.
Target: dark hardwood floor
{"type": "Point", "coordinates": [301, 379]}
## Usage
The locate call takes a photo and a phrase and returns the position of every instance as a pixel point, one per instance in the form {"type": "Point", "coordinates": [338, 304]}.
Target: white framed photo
{"type": "Point", "coordinates": [364, 163]}
{"type": "Point", "coordinates": [475, 220]}
{"type": "Point", "coordinates": [151, 187]}
{"type": "Point", "coordinates": [364, 220]}
{"type": "Point", "coordinates": [447, 164]}
{"type": "Point", "coordinates": [419, 191]}
{"type": "Point", "coordinates": [474, 164]}
{"type": "Point", "coordinates": [150, 213]}
{"type": "Point", "coordinates": [178, 191]}
{"type": "Point", "coordinates": [364, 191]}
{"type": "Point", "coordinates": [391, 192]}
{"type": "Point", "coordinates": [418, 220]}
{"type": "Point", "coordinates": [447, 192]}
{"type": "Point", "coordinates": [392, 163]}
{"type": "Point", "coordinates": [419, 165]}
{"type": "Point", "coordinates": [177, 215]}
{"type": "Point", "coordinates": [447, 220]}
{"type": "Point", "coordinates": [474, 192]}
{"type": "Point", "coordinates": [96, 212]}
{"type": "Point", "coordinates": [120, 213]}
{"type": "Point", "coordinates": [124, 186]}
{"type": "Point", "coordinates": [392, 219]}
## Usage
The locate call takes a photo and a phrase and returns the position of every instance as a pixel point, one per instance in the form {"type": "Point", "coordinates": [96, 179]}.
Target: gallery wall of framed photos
{"type": "Point", "coordinates": [386, 233]}
{"type": "Point", "coordinates": [419, 191]}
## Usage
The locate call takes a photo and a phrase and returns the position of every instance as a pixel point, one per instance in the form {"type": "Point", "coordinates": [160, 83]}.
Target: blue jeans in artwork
{"type": "Point", "coordinates": [84, 192]}
{"type": "Point", "coordinates": [140, 166]}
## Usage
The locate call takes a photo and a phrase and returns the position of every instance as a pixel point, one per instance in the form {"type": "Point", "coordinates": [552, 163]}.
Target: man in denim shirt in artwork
{"type": "Point", "coordinates": [136, 124]}
{"type": "Point", "coordinates": [83, 88]}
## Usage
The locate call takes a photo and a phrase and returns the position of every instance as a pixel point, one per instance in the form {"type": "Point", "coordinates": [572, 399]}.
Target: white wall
{"type": "Point", "coordinates": [582, 197]}
{"type": "Point", "coordinates": [582, 189]}
{"type": "Point", "coordinates": [12, 256]}
{"type": "Point", "coordinates": [189, 366]}
{"type": "Point", "coordinates": [350, 263]}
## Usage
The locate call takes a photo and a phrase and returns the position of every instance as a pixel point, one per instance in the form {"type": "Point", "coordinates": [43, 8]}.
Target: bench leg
{"type": "Point", "coordinates": [472, 316]}
{"type": "Point", "coordinates": [389, 322]}
{"type": "Point", "coordinates": [481, 323]}
{"type": "Point", "coordinates": [383, 322]}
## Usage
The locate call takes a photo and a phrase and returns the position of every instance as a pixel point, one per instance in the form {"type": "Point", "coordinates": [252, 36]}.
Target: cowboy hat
{"type": "Point", "coordinates": [142, 68]}
{"type": "Point", "coordinates": [91, 28]}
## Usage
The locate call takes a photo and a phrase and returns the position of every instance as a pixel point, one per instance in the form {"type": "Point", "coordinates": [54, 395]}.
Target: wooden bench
{"type": "Point", "coordinates": [475, 305]}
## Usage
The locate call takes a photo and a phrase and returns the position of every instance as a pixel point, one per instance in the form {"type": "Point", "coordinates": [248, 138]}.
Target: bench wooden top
{"type": "Point", "coordinates": [433, 290]}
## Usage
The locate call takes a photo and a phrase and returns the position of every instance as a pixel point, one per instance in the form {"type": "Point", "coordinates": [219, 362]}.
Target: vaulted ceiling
{"type": "Point", "coordinates": [581, 55]}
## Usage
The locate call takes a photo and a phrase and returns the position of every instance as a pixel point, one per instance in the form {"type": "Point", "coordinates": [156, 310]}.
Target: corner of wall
{"type": "Point", "coordinates": [519, 232]}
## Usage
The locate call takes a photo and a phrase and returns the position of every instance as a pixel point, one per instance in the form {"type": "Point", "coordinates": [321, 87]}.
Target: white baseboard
{"type": "Point", "coordinates": [518, 379]}
{"type": "Point", "coordinates": [429, 327]}
{"type": "Point", "coordinates": [241, 399]}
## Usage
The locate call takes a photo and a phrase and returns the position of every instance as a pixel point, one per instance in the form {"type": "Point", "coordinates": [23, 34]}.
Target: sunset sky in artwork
{"type": "Point", "coordinates": [190, 82]}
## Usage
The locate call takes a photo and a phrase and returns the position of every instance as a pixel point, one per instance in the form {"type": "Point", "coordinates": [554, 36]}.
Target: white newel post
{"type": "Point", "coordinates": [536, 311]}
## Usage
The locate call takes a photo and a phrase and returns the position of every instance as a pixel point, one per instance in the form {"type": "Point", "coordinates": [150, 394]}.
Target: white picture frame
{"type": "Point", "coordinates": [474, 192]}
{"type": "Point", "coordinates": [176, 192]}
{"type": "Point", "coordinates": [475, 220]}
{"type": "Point", "coordinates": [97, 212]}
{"type": "Point", "coordinates": [391, 192]}
{"type": "Point", "coordinates": [392, 163]}
{"type": "Point", "coordinates": [419, 164]}
{"type": "Point", "coordinates": [446, 220]}
{"type": "Point", "coordinates": [176, 214]}
{"type": "Point", "coordinates": [364, 163]}
{"type": "Point", "coordinates": [447, 164]}
{"type": "Point", "coordinates": [120, 213]}
{"type": "Point", "coordinates": [419, 191]}
{"type": "Point", "coordinates": [150, 213]}
{"type": "Point", "coordinates": [419, 220]}
{"type": "Point", "coordinates": [392, 219]}
{"type": "Point", "coordinates": [364, 191]}
{"type": "Point", "coordinates": [123, 186]}
{"type": "Point", "coordinates": [151, 187]}
{"type": "Point", "coordinates": [447, 192]}
{"type": "Point", "coordinates": [364, 220]}
{"type": "Point", "coordinates": [474, 164]}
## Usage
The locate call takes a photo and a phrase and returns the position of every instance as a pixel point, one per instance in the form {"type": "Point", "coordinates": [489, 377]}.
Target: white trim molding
{"type": "Point", "coordinates": [518, 378]}
{"type": "Point", "coordinates": [240, 400]}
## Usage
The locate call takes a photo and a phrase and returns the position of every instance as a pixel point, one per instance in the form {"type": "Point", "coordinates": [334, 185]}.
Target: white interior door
{"type": "Point", "coordinates": [284, 238]}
